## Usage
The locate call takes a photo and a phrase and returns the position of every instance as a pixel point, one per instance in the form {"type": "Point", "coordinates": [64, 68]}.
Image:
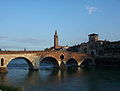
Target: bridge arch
{"type": "Point", "coordinates": [72, 62]}
{"type": "Point", "coordinates": [26, 59]}
{"type": "Point", "coordinates": [49, 62]}
{"type": "Point", "coordinates": [87, 62]}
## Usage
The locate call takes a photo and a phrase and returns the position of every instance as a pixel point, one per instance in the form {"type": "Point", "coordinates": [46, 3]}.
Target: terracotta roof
{"type": "Point", "coordinates": [93, 34]}
{"type": "Point", "coordinates": [115, 42]}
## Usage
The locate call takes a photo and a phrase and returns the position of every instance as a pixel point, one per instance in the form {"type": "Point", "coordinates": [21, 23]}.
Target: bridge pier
{"type": "Point", "coordinates": [33, 69]}
{"type": "Point", "coordinates": [63, 65]}
{"type": "Point", "coordinates": [3, 69]}
{"type": "Point", "coordinates": [35, 66]}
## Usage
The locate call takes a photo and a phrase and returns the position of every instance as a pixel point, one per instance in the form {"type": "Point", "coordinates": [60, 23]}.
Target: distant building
{"type": "Point", "coordinates": [56, 40]}
{"type": "Point", "coordinates": [94, 46]}
{"type": "Point", "coordinates": [87, 47]}
{"type": "Point", "coordinates": [56, 44]}
{"type": "Point", "coordinates": [24, 49]}
{"type": "Point", "coordinates": [83, 48]}
{"type": "Point", "coordinates": [93, 38]}
{"type": "Point", "coordinates": [112, 48]}
{"type": "Point", "coordinates": [74, 48]}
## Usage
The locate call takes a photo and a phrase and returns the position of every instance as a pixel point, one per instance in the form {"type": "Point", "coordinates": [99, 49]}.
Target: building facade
{"type": "Point", "coordinates": [97, 47]}
{"type": "Point", "coordinates": [88, 47]}
{"type": "Point", "coordinates": [94, 46]}
{"type": "Point", "coordinates": [112, 48]}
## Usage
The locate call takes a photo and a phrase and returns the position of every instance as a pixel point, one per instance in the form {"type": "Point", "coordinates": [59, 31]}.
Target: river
{"type": "Point", "coordinates": [89, 79]}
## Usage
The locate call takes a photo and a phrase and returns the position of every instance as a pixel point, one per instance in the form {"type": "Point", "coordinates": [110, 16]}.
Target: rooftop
{"type": "Point", "coordinates": [93, 34]}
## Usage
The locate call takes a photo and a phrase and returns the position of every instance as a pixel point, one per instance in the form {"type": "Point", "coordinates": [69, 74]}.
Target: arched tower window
{"type": "Point", "coordinates": [2, 62]}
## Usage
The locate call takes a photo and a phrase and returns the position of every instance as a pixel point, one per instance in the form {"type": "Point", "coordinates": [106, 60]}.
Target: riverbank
{"type": "Point", "coordinates": [10, 88]}
{"type": "Point", "coordinates": [109, 61]}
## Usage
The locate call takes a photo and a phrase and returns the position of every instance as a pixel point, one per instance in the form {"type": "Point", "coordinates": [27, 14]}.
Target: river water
{"type": "Point", "coordinates": [89, 79]}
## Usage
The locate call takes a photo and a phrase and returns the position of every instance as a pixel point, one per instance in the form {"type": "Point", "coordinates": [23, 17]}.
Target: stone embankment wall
{"type": "Point", "coordinates": [113, 61]}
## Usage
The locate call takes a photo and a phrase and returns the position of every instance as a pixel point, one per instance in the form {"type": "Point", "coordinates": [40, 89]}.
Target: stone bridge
{"type": "Point", "coordinates": [34, 59]}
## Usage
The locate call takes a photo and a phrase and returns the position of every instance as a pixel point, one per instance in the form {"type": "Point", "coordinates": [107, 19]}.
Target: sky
{"type": "Point", "coordinates": [31, 24]}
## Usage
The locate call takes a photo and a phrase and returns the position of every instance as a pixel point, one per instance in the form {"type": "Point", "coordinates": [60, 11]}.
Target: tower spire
{"type": "Point", "coordinates": [55, 39]}
{"type": "Point", "coordinates": [56, 32]}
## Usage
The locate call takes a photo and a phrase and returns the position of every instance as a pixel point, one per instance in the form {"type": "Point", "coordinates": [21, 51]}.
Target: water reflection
{"type": "Point", "coordinates": [3, 78]}
{"type": "Point", "coordinates": [71, 70]}
{"type": "Point", "coordinates": [72, 79]}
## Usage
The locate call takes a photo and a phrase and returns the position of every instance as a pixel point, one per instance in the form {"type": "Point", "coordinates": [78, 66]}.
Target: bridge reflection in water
{"type": "Point", "coordinates": [74, 79]}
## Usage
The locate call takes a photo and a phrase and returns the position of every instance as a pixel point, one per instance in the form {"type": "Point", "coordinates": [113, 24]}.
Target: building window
{"type": "Point", "coordinates": [92, 53]}
{"type": "Point", "coordinates": [2, 62]}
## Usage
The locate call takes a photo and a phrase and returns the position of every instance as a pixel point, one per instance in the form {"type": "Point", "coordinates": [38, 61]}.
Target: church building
{"type": "Point", "coordinates": [56, 44]}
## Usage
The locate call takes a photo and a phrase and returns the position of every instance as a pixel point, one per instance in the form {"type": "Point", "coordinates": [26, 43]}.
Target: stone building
{"type": "Point", "coordinates": [97, 47]}
{"type": "Point", "coordinates": [56, 44]}
{"type": "Point", "coordinates": [93, 38]}
{"type": "Point", "coordinates": [94, 46]}
{"type": "Point", "coordinates": [56, 40]}
{"type": "Point", "coordinates": [74, 48]}
{"type": "Point", "coordinates": [87, 47]}
{"type": "Point", "coordinates": [83, 48]}
{"type": "Point", "coordinates": [112, 48]}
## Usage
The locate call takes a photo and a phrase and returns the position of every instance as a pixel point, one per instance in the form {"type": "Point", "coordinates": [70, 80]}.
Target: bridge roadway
{"type": "Point", "coordinates": [62, 59]}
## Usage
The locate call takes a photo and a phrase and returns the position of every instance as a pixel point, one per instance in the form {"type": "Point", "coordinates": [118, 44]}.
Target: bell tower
{"type": "Point", "coordinates": [55, 39]}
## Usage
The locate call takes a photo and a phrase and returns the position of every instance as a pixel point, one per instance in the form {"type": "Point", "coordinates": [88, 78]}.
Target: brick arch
{"type": "Point", "coordinates": [89, 60]}
{"type": "Point", "coordinates": [25, 58]}
{"type": "Point", "coordinates": [49, 59]}
{"type": "Point", "coordinates": [72, 61]}
{"type": "Point", "coordinates": [48, 56]}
